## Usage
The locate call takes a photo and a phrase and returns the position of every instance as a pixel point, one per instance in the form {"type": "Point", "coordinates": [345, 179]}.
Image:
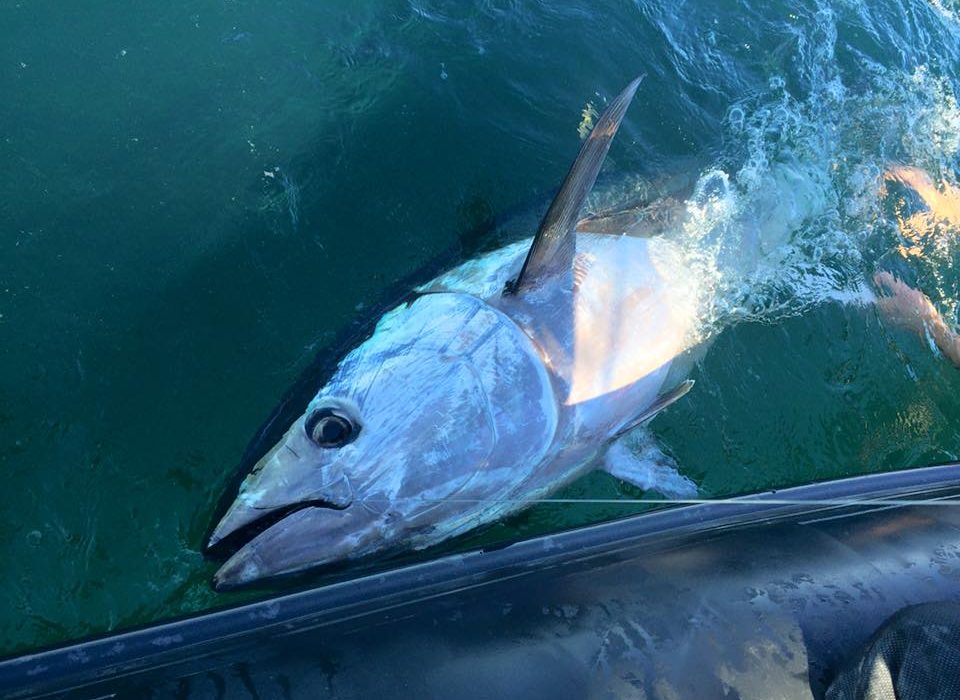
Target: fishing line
{"type": "Point", "coordinates": [733, 501]}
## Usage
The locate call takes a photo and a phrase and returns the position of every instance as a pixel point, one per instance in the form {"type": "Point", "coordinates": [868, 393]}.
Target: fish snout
{"type": "Point", "coordinates": [285, 480]}
{"type": "Point", "coordinates": [256, 510]}
{"type": "Point", "coordinates": [305, 539]}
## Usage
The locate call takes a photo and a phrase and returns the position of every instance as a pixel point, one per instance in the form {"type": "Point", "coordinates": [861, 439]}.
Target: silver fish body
{"type": "Point", "coordinates": [468, 403]}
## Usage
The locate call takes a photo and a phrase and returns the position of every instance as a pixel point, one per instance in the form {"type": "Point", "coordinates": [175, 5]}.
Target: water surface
{"type": "Point", "coordinates": [197, 197]}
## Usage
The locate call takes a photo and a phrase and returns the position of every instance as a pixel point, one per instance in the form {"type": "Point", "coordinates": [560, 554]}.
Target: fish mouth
{"type": "Point", "coordinates": [298, 539]}
{"type": "Point", "coordinates": [225, 541]}
{"type": "Point", "coordinates": [236, 549]}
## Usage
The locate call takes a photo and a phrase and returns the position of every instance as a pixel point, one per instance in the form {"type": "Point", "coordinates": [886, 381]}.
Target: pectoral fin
{"type": "Point", "coordinates": [661, 403]}
{"type": "Point", "coordinates": [637, 459]}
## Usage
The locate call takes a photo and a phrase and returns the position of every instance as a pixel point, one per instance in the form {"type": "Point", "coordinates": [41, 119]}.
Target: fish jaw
{"type": "Point", "coordinates": [289, 546]}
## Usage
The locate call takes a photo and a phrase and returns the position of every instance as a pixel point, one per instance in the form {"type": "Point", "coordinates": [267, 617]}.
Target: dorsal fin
{"type": "Point", "coordinates": [555, 243]}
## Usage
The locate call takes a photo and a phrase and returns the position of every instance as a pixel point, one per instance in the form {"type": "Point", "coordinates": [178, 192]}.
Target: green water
{"type": "Point", "coordinates": [197, 197]}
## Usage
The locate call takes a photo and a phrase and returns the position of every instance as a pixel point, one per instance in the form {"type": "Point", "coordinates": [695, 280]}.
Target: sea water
{"type": "Point", "coordinates": [197, 198]}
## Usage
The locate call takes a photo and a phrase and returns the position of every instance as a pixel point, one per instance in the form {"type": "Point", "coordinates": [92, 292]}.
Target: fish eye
{"type": "Point", "coordinates": [329, 428]}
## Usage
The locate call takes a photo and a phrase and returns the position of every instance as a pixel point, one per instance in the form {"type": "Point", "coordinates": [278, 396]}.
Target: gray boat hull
{"type": "Point", "coordinates": [752, 600]}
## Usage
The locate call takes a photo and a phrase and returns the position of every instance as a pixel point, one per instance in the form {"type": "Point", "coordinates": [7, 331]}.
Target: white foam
{"type": "Point", "coordinates": [796, 223]}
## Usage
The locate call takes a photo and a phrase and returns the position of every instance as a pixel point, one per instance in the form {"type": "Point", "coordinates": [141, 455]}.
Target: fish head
{"type": "Point", "coordinates": [416, 429]}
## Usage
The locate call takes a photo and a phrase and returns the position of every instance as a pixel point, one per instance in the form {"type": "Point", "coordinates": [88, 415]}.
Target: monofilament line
{"type": "Point", "coordinates": [736, 501]}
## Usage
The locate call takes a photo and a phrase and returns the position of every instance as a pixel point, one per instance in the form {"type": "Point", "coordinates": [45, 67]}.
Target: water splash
{"type": "Point", "coordinates": [949, 9]}
{"type": "Point", "coordinates": [793, 213]}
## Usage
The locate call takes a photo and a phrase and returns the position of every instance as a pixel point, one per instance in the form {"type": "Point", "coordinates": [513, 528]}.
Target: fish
{"type": "Point", "coordinates": [499, 382]}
